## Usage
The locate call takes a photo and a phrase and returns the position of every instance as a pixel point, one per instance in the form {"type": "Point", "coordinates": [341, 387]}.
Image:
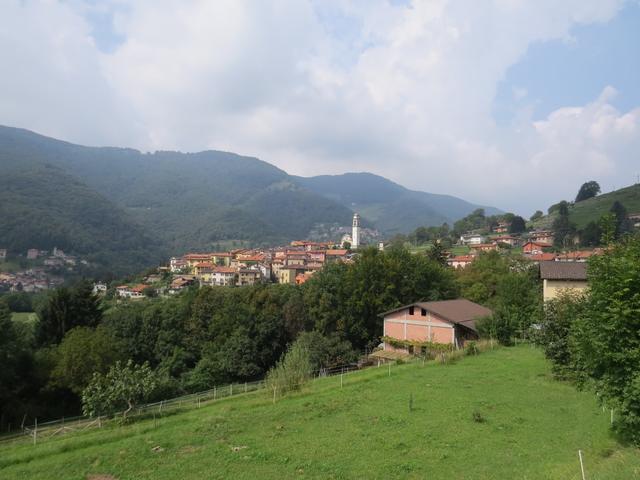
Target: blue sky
{"type": "Point", "coordinates": [573, 71]}
{"type": "Point", "coordinates": [511, 103]}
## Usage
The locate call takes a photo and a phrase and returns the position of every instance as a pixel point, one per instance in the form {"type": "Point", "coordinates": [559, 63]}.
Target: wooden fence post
{"type": "Point", "coordinates": [35, 433]}
{"type": "Point", "coordinates": [245, 387]}
{"type": "Point", "coordinates": [581, 464]}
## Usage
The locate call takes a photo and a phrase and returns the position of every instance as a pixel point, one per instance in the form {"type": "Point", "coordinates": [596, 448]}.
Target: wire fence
{"type": "Point", "coordinates": [56, 428]}
{"type": "Point", "coordinates": [41, 431]}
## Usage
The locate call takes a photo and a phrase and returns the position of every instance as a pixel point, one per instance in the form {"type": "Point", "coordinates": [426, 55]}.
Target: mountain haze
{"type": "Point", "coordinates": [121, 204]}
{"type": "Point", "coordinates": [391, 207]}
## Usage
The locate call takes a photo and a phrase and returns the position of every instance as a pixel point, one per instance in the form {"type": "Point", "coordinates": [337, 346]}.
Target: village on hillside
{"type": "Point", "coordinates": [292, 264]}
{"type": "Point", "coordinates": [38, 270]}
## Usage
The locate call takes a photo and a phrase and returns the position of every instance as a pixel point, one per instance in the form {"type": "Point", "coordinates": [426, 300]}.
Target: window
{"type": "Point", "coordinates": [410, 349]}
{"type": "Point", "coordinates": [423, 312]}
{"type": "Point", "coordinates": [411, 310]}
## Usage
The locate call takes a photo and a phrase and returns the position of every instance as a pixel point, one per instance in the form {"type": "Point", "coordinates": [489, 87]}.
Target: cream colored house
{"type": "Point", "coordinates": [559, 276]}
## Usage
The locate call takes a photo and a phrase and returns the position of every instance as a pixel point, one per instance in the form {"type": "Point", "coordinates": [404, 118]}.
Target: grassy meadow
{"type": "Point", "coordinates": [499, 415]}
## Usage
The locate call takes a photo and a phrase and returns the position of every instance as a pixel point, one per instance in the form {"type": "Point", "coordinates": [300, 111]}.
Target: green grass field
{"type": "Point", "coordinates": [530, 427]}
{"type": "Point", "coordinates": [592, 209]}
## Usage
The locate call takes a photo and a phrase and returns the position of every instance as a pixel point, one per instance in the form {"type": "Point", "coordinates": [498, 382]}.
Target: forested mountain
{"type": "Point", "coordinates": [391, 207]}
{"type": "Point", "coordinates": [43, 207]}
{"type": "Point", "coordinates": [106, 201]}
{"type": "Point", "coordinates": [185, 201]}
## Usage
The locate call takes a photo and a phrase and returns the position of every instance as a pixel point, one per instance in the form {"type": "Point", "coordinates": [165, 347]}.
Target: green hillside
{"type": "Point", "coordinates": [592, 209]}
{"type": "Point", "coordinates": [128, 208]}
{"type": "Point", "coordinates": [43, 207]}
{"type": "Point", "coordinates": [185, 201]}
{"type": "Point", "coordinates": [582, 213]}
{"type": "Point", "coordinates": [498, 415]}
{"type": "Point", "coordinates": [392, 208]}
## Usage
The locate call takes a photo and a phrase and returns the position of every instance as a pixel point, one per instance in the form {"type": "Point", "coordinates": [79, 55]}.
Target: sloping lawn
{"type": "Point", "coordinates": [495, 416]}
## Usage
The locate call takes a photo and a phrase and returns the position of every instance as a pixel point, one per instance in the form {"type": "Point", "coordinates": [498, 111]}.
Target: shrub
{"type": "Point", "coordinates": [292, 371]}
{"type": "Point", "coordinates": [471, 348]}
{"type": "Point", "coordinates": [558, 325]}
{"type": "Point", "coordinates": [478, 417]}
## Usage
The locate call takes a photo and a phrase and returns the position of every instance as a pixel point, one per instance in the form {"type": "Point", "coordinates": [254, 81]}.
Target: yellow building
{"type": "Point", "coordinates": [288, 274]}
{"type": "Point", "coordinates": [203, 271]}
{"type": "Point", "coordinates": [560, 276]}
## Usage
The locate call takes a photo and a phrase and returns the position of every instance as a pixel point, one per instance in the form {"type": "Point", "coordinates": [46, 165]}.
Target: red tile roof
{"type": "Point", "coordinates": [204, 265]}
{"type": "Point", "coordinates": [339, 253]}
{"type": "Point", "coordinates": [224, 270]}
{"type": "Point", "coordinates": [542, 257]}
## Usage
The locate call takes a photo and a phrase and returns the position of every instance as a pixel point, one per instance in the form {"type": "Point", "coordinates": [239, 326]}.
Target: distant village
{"type": "Point", "coordinates": [535, 246]}
{"type": "Point", "coordinates": [45, 270]}
{"type": "Point", "coordinates": [292, 264]}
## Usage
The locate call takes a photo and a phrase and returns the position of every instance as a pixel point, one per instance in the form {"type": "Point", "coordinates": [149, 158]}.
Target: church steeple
{"type": "Point", "coordinates": [355, 233]}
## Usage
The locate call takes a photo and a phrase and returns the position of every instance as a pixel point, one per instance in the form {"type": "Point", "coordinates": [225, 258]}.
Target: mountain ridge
{"type": "Point", "coordinates": [194, 201]}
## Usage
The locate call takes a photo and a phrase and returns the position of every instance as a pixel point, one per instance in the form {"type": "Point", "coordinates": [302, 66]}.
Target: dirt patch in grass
{"type": "Point", "coordinates": [101, 476]}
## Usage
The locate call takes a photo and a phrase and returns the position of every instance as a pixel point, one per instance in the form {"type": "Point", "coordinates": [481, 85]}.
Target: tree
{"type": "Point", "coordinates": [479, 281]}
{"type": "Point", "coordinates": [12, 366]}
{"type": "Point", "coordinates": [149, 292]}
{"type": "Point", "coordinates": [622, 223]}
{"type": "Point", "coordinates": [590, 235]}
{"type": "Point", "coordinates": [588, 190]}
{"type": "Point", "coordinates": [421, 235]}
{"type": "Point", "coordinates": [123, 387]}
{"type": "Point", "coordinates": [563, 229]}
{"type": "Point", "coordinates": [292, 371]}
{"type": "Point", "coordinates": [348, 298]}
{"type": "Point", "coordinates": [517, 307]}
{"type": "Point", "coordinates": [538, 214]}
{"type": "Point", "coordinates": [437, 253]}
{"type": "Point", "coordinates": [518, 225]}
{"type": "Point", "coordinates": [557, 329]}
{"type": "Point", "coordinates": [65, 309]}
{"type": "Point", "coordinates": [607, 337]}
{"type": "Point", "coordinates": [474, 220]}
{"type": "Point", "coordinates": [326, 351]}
{"type": "Point", "coordinates": [83, 352]}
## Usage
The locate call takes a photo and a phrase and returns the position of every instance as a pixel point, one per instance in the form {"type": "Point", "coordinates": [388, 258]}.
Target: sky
{"type": "Point", "coordinates": [509, 103]}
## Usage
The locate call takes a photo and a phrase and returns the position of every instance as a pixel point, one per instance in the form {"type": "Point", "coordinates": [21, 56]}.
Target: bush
{"type": "Point", "coordinates": [478, 417]}
{"type": "Point", "coordinates": [471, 348]}
{"type": "Point", "coordinates": [292, 371]}
{"type": "Point", "coordinates": [558, 324]}
{"type": "Point", "coordinates": [606, 343]}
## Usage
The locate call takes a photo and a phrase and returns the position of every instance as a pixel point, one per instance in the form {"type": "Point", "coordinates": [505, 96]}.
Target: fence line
{"type": "Point", "coordinates": [39, 431]}
{"type": "Point", "coordinates": [55, 428]}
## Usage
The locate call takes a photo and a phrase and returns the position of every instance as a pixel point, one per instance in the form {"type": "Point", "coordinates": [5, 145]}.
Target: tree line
{"type": "Point", "coordinates": [593, 339]}
{"type": "Point", "coordinates": [202, 337]}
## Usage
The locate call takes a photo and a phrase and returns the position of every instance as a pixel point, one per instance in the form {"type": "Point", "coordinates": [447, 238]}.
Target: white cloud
{"type": "Point", "coordinates": [319, 87]}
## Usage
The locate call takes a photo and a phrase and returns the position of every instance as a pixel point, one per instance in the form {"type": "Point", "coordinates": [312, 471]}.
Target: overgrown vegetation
{"type": "Point", "coordinates": [595, 340]}
{"type": "Point", "coordinates": [291, 372]}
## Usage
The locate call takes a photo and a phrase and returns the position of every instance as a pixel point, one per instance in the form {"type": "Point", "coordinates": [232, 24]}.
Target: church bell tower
{"type": "Point", "coordinates": [355, 233]}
